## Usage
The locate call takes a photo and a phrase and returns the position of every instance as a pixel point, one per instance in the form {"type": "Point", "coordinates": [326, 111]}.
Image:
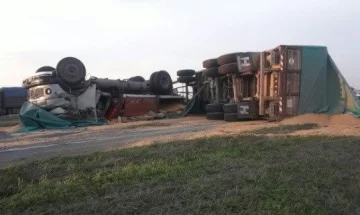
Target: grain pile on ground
{"type": "Point", "coordinates": [112, 130]}
{"type": "Point", "coordinates": [151, 124]}
{"type": "Point", "coordinates": [336, 125]}
{"type": "Point", "coordinates": [344, 119]}
{"type": "Point", "coordinates": [234, 128]}
{"type": "Point", "coordinates": [342, 124]}
{"type": "Point", "coordinates": [323, 119]}
{"type": "Point", "coordinates": [320, 119]}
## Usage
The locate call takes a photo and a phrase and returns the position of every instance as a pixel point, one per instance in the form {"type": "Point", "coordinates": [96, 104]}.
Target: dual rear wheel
{"type": "Point", "coordinates": [221, 111]}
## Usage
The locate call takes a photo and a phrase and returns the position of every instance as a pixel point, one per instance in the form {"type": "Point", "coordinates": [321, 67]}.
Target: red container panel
{"type": "Point", "coordinates": [115, 110]}
{"type": "Point", "coordinates": [139, 106]}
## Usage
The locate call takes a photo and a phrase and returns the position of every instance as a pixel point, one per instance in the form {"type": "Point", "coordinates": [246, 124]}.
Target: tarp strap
{"type": "Point", "coordinates": [190, 104]}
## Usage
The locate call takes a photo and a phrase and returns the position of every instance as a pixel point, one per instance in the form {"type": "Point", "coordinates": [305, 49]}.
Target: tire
{"type": "Point", "coordinates": [161, 83]}
{"type": "Point", "coordinates": [186, 72]}
{"type": "Point", "coordinates": [211, 108]}
{"type": "Point", "coordinates": [210, 63]}
{"type": "Point", "coordinates": [230, 108]}
{"type": "Point", "coordinates": [71, 71]}
{"type": "Point", "coordinates": [215, 116]}
{"type": "Point", "coordinates": [152, 79]}
{"type": "Point", "coordinates": [228, 58]}
{"type": "Point", "coordinates": [230, 117]}
{"type": "Point", "coordinates": [186, 79]}
{"type": "Point", "coordinates": [45, 69]}
{"type": "Point", "coordinates": [228, 68]}
{"type": "Point", "coordinates": [212, 72]}
{"type": "Point", "coordinates": [137, 79]}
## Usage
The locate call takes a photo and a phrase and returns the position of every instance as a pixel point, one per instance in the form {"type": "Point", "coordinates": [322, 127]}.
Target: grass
{"type": "Point", "coordinates": [221, 175]}
{"type": "Point", "coordinates": [285, 129]}
{"type": "Point", "coordinates": [6, 121]}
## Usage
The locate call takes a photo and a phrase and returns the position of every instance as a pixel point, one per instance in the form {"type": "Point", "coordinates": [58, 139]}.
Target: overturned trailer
{"type": "Point", "coordinates": [277, 83]}
{"type": "Point", "coordinates": [66, 92]}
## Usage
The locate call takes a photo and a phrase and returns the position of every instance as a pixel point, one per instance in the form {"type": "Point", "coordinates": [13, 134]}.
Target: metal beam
{"type": "Point", "coordinates": [261, 93]}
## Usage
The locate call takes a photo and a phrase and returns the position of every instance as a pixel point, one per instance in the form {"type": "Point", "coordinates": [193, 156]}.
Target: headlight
{"type": "Point", "coordinates": [48, 91]}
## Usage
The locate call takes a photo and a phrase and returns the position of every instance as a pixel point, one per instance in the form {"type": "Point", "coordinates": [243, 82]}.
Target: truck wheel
{"type": "Point", "coordinates": [210, 108]}
{"type": "Point", "coordinates": [230, 108]}
{"type": "Point", "coordinates": [210, 63]}
{"type": "Point", "coordinates": [161, 83]}
{"type": "Point", "coordinates": [137, 79]}
{"type": "Point", "coordinates": [71, 71]}
{"type": "Point", "coordinates": [212, 72]}
{"type": "Point", "coordinates": [228, 68]}
{"type": "Point", "coordinates": [186, 72]}
{"type": "Point", "coordinates": [215, 116]}
{"type": "Point", "coordinates": [151, 80]}
{"type": "Point", "coordinates": [45, 69]}
{"type": "Point", "coordinates": [228, 58]}
{"type": "Point", "coordinates": [186, 79]}
{"type": "Point", "coordinates": [230, 117]}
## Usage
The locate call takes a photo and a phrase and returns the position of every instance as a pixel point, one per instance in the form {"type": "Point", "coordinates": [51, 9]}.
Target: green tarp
{"type": "Point", "coordinates": [33, 118]}
{"type": "Point", "coordinates": [323, 88]}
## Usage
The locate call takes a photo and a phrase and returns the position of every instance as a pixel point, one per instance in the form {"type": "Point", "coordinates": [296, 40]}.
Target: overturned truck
{"type": "Point", "coordinates": [65, 92]}
{"type": "Point", "coordinates": [285, 81]}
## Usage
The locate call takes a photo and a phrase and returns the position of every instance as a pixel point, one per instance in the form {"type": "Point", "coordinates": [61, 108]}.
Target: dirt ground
{"type": "Point", "coordinates": [9, 138]}
{"type": "Point", "coordinates": [344, 124]}
{"type": "Point", "coordinates": [338, 125]}
{"type": "Point", "coordinates": [41, 144]}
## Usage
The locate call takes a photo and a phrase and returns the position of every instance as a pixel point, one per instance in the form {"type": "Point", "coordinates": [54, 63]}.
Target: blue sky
{"type": "Point", "coordinates": [120, 39]}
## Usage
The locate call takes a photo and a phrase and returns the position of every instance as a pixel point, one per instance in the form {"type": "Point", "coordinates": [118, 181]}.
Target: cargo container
{"type": "Point", "coordinates": [282, 80]}
{"type": "Point", "coordinates": [11, 99]}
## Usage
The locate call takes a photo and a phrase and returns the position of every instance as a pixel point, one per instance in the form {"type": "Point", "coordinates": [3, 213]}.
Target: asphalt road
{"type": "Point", "coordinates": [90, 144]}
